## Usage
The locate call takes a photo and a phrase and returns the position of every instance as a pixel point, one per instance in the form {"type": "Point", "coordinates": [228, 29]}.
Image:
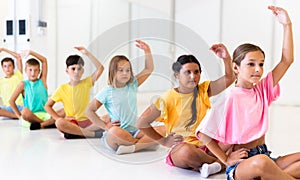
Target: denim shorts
{"type": "Point", "coordinates": [8, 108]}
{"type": "Point", "coordinates": [261, 149]}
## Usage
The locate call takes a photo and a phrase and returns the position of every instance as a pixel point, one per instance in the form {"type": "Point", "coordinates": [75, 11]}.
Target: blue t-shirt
{"type": "Point", "coordinates": [36, 95]}
{"type": "Point", "coordinates": [121, 104]}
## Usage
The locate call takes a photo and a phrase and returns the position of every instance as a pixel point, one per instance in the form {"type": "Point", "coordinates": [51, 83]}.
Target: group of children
{"type": "Point", "coordinates": [239, 141]}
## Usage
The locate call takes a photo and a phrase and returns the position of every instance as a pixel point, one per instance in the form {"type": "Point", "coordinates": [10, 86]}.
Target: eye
{"type": "Point", "coordinates": [197, 72]}
{"type": "Point", "coordinates": [261, 64]}
{"type": "Point", "coordinates": [251, 64]}
{"type": "Point", "coordinates": [187, 72]}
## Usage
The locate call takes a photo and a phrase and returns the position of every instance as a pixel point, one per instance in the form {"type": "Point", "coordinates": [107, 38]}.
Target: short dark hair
{"type": "Point", "coordinates": [32, 62]}
{"type": "Point", "coordinates": [7, 59]}
{"type": "Point", "coordinates": [74, 59]}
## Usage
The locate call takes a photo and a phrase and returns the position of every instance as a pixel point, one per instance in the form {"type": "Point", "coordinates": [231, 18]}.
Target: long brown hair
{"type": "Point", "coordinates": [113, 67]}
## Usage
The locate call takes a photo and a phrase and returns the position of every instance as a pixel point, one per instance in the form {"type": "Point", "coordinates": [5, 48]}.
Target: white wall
{"type": "Point", "coordinates": [232, 22]}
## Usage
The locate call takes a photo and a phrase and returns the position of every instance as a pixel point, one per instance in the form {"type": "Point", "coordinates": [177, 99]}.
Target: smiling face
{"type": "Point", "coordinates": [189, 77]}
{"type": "Point", "coordinates": [250, 69]}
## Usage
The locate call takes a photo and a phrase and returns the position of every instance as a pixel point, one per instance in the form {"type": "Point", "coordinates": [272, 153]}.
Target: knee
{"type": "Point", "coordinates": [261, 163]}
{"type": "Point", "coordinates": [26, 113]}
{"type": "Point", "coordinates": [184, 151]}
{"type": "Point", "coordinates": [114, 131]}
{"type": "Point", "coordinates": [61, 124]}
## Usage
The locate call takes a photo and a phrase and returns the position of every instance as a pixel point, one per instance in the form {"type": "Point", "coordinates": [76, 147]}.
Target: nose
{"type": "Point", "coordinates": [192, 75]}
{"type": "Point", "coordinates": [257, 68]}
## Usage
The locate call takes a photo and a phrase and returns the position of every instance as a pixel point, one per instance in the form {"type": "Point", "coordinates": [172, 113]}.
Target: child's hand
{"type": "Point", "coordinates": [24, 54]}
{"type": "Point", "coordinates": [172, 139]}
{"type": "Point", "coordinates": [281, 14]}
{"type": "Point", "coordinates": [111, 124]}
{"type": "Point", "coordinates": [82, 49]}
{"type": "Point", "coordinates": [220, 50]}
{"type": "Point", "coordinates": [142, 45]}
{"type": "Point", "coordinates": [236, 156]}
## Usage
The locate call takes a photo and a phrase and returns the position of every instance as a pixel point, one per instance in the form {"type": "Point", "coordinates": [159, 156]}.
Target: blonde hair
{"type": "Point", "coordinates": [113, 67]}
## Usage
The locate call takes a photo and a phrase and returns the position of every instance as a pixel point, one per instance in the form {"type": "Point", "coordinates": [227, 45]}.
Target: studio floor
{"type": "Point", "coordinates": [45, 154]}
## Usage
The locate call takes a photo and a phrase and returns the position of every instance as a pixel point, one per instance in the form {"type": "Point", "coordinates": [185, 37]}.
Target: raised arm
{"type": "Point", "coordinates": [149, 67]}
{"type": "Point", "coordinates": [15, 55]}
{"type": "Point", "coordinates": [99, 67]}
{"type": "Point", "coordinates": [223, 82]}
{"type": "Point", "coordinates": [287, 57]}
{"type": "Point", "coordinates": [44, 72]}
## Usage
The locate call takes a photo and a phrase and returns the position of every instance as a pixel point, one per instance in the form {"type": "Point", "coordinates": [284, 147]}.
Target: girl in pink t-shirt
{"type": "Point", "coordinates": [244, 121]}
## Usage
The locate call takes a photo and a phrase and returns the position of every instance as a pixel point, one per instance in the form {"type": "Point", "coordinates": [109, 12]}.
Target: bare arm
{"type": "Point", "coordinates": [99, 67]}
{"type": "Point", "coordinates": [149, 66]}
{"type": "Point", "coordinates": [44, 71]}
{"type": "Point", "coordinates": [228, 158]}
{"type": "Point", "coordinates": [223, 82]}
{"type": "Point", "coordinates": [287, 57]}
{"type": "Point", "coordinates": [92, 115]}
{"type": "Point", "coordinates": [15, 55]}
{"type": "Point", "coordinates": [49, 108]}
{"type": "Point", "coordinates": [12, 101]}
{"type": "Point", "coordinates": [144, 124]}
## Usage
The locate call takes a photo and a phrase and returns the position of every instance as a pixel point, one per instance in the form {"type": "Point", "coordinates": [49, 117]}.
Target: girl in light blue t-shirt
{"type": "Point", "coordinates": [119, 98]}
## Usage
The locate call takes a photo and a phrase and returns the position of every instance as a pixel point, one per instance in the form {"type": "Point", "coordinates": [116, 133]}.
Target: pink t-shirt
{"type": "Point", "coordinates": [246, 112]}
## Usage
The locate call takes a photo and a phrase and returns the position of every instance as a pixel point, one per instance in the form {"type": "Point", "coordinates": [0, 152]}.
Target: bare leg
{"type": "Point", "coordinates": [8, 114]}
{"type": "Point", "coordinates": [145, 142]}
{"type": "Point", "coordinates": [49, 122]}
{"type": "Point", "coordinates": [260, 166]}
{"type": "Point", "coordinates": [290, 164]}
{"type": "Point", "coordinates": [189, 156]}
{"type": "Point", "coordinates": [117, 137]}
{"type": "Point", "coordinates": [27, 115]}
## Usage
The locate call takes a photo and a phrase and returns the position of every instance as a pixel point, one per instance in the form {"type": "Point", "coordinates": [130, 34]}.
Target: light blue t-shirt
{"type": "Point", "coordinates": [36, 95]}
{"type": "Point", "coordinates": [121, 104]}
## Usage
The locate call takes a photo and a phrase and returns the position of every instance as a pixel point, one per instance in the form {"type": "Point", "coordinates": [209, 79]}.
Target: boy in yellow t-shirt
{"type": "Point", "coordinates": [75, 96]}
{"type": "Point", "coordinates": [9, 83]}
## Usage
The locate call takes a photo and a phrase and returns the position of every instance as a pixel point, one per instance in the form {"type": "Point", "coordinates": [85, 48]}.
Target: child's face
{"type": "Point", "coordinates": [123, 73]}
{"type": "Point", "coordinates": [8, 68]}
{"type": "Point", "coordinates": [189, 76]}
{"type": "Point", "coordinates": [32, 72]}
{"type": "Point", "coordinates": [75, 72]}
{"type": "Point", "coordinates": [250, 70]}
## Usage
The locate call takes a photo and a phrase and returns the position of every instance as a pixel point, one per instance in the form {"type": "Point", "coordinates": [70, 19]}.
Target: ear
{"type": "Point", "coordinates": [176, 75]}
{"type": "Point", "coordinates": [235, 68]}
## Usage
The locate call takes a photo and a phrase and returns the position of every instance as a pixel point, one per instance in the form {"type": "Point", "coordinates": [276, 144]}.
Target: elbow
{"type": "Point", "coordinates": [139, 123]}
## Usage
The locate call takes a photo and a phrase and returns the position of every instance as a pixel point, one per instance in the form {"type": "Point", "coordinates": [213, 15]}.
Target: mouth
{"type": "Point", "coordinates": [256, 76]}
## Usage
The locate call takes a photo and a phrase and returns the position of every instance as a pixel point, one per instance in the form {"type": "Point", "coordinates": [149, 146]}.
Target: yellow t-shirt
{"type": "Point", "coordinates": [8, 86]}
{"type": "Point", "coordinates": [176, 111]}
{"type": "Point", "coordinates": [75, 99]}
